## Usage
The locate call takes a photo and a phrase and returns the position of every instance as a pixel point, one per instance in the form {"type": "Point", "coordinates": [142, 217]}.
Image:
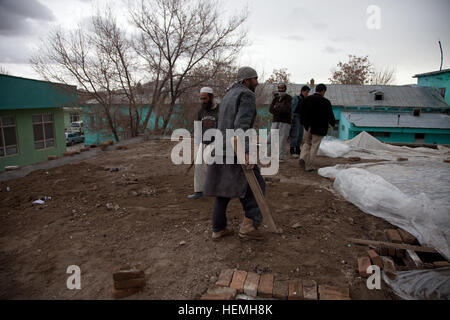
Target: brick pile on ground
{"type": "Point", "coordinates": [128, 280]}
{"type": "Point", "coordinates": [384, 257]}
{"type": "Point", "coordinates": [233, 282]}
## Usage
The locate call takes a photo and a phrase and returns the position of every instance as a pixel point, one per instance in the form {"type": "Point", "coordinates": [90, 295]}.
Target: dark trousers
{"type": "Point", "coordinates": [249, 204]}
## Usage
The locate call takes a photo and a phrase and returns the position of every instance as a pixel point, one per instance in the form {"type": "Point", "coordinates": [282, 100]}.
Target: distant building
{"type": "Point", "coordinates": [440, 80]}
{"type": "Point", "coordinates": [401, 114]}
{"type": "Point", "coordinates": [32, 119]}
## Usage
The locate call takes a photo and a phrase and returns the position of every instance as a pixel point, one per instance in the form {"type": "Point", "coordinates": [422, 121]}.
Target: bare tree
{"type": "Point", "coordinates": [100, 62]}
{"type": "Point", "coordinates": [278, 76]}
{"type": "Point", "coordinates": [384, 76]}
{"type": "Point", "coordinates": [358, 70]}
{"type": "Point", "coordinates": [181, 38]}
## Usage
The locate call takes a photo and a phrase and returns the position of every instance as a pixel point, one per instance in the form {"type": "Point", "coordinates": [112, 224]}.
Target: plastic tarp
{"type": "Point", "coordinates": [413, 195]}
{"type": "Point", "coordinates": [421, 284]}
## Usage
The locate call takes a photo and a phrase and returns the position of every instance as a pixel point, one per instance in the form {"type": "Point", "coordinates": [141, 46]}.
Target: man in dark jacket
{"type": "Point", "coordinates": [316, 114]}
{"type": "Point", "coordinates": [281, 110]}
{"type": "Point", "coordinates": [225, 181]}
{"type": "Point", "coordinates": [296, 133]}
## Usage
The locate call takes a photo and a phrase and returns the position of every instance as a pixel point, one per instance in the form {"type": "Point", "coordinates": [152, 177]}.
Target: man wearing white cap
{"type": "Point", "coordinates": [208, 116]}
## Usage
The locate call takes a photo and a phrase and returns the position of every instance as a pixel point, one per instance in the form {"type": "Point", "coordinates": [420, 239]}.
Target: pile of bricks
{"type": "Point", "coordinates": [128, 281]}
{"type": "Point", "coordinates": [384, 257]}
{"type": "Point", "coordinates": [232, 282]}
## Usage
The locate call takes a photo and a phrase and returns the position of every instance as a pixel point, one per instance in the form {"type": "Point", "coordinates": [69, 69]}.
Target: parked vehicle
{"type": "Point", "coordinates": [73, 138]}
{"type": "Point", "coordinates": [77, 126]}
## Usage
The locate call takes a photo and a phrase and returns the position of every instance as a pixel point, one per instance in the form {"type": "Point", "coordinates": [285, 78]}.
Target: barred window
{"type": "Point", "coordinates": [8, 136]}
{"type": "Point", "coordinates": [44, 133]}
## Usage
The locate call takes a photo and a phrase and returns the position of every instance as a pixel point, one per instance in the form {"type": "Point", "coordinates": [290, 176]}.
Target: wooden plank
{"type": "Point", "coordinates": [256, 189]}
{"type": "Point", "coordinates": [392, 245]}
{"type": "Point", "coordinates": [411, 259]}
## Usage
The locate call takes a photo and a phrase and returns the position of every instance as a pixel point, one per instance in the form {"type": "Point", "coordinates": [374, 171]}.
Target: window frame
{"type": "Point", "coordinates": [43, 131]}
{"type": "Point", "coordinates": [3, 137]}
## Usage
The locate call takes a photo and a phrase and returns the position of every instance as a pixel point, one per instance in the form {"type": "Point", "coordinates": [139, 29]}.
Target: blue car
{"type": "Point", "coordinates": [73, 138]}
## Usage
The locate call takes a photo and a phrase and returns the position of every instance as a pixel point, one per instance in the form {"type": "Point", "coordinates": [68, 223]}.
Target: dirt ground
{"type": "Point", "coordinates": [99, 219]}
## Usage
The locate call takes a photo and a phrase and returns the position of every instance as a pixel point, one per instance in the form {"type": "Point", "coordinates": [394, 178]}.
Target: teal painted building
{"type": "Point", "coordinates": [439, 80]}
{"type": "Point", "coordinates": [32, 119]}
{"type": "Point", "coordinates": [424, 114]}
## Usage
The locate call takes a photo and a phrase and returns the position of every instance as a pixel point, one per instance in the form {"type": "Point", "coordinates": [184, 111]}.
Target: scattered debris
{"type": "Point", "coordinates": [11, 168]}
{"type": "Point", "coordinates": [402, 159]}
{"type": "Point", "coordinates": [128, 281]}
{"type": "Point", "coordinates": [52, 157]}
{"type": "Point", "coordinates": [38, 202]}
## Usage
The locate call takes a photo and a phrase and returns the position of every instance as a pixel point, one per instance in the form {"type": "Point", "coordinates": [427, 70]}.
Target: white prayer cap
{"type": "Point", "coordinates": [206, 90]}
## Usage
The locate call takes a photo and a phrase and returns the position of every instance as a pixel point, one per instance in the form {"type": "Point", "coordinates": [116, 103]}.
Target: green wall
{"type": "Point", "coordinates": [25, 137]}
{"type": "Point", "coordinates": [441, 80]}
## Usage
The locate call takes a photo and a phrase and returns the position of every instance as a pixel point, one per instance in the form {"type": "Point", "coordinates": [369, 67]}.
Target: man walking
{"type": "Point", "coordinates": [281, 110]}
{"type": "Point", "coordinates": [296, 134]}
{"type": "Point", "coordinates": [226, 181]}
{"type": "Point", "coordinates": [208, 116]}
{"type": "Point", "coordinates": [316, 114]}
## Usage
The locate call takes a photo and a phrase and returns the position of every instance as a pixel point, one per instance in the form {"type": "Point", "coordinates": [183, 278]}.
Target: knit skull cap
{"type": "Point", "coordinates": [206, 90]}
{"type": "Point", "coordinates": [245, 73]}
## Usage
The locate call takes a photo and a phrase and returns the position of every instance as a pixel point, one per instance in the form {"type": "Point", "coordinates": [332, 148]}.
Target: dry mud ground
{"type": "Point", "coordinates": [151, 216]}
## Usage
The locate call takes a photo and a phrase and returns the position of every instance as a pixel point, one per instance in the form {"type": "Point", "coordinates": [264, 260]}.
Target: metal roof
{"type": "Point", "coordinates": [363, 95]}
{"type": "Point", "coordinates": [391, 120]}
{"type": "Point", "coordinates": [431, 73]}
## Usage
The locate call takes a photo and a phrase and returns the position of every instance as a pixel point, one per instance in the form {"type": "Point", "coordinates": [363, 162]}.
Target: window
{"type": "Point", "coordinates": [419, 137]}
{"type": "Point", "coordinates": [380, 134]}
{"type": "Point", "coordinates": [44, 135]}
{"type": "Point", "coordinates": [442, 92]}
{"type": "Point", "coordinates": [74, 116]}
{"type": "Point", "coordinates": [8, 137]}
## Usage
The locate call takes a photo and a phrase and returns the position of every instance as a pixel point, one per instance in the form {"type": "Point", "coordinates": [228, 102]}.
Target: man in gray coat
{"type": "Point", "coordinates": [226, 181]}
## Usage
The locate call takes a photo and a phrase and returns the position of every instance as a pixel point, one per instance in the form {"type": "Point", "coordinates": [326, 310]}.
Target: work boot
{"type": "Point", "coordinates": [196, 195]}
{"type": "Point", "coordinates": [297, 151]}
{"type": "Point", "coordinates": [248, 230]}
{"type": "Point", "coordinates": [222, 233]}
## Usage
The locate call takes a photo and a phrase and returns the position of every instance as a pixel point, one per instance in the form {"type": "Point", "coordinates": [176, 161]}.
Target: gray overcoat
{"type": "Point", "coordinates": [237, 111]}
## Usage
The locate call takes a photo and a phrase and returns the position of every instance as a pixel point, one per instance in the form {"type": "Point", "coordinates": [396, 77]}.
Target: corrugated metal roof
{"type": "Point", "coordinates": [431, 73]}
{"type": "Point", "coordinates": [363, 95]}
{"type": "Point", "coordinates": [391, 120]}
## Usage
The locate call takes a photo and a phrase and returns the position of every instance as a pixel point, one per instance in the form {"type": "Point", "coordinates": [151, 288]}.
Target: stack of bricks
{"type": "Point", "coordinates": [232, 282]}
{"type": "Point", "coordinates": [128, 281]}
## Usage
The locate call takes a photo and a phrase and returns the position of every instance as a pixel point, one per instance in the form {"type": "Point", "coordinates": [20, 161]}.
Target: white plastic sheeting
{"type": "Point", "coordinates": [413, 195]}
{"type": "Point", "coordinates": [421, 284]}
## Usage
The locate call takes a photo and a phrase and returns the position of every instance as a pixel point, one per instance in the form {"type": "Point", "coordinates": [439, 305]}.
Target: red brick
{"type": "Point", "coordinates": [251, 284]}
{"type": "Point", "coordinates": [402, 159]}
{"type": "Point", "coordinates": [128, 272]}
{"type": "Point", "coordinates": [52, 157]}
{"type": "Point", "coordinates": [238, 280]}
{"type": "Point", "coordinates": [363, 264]}
{"type": "Point", "coordinates": [391, 252]}
{"type": "Point", "coordinates": [393, 236]}
{"type": "Point", "coordinates": [220, 293]}
{"type": "Point", "coordinates": [441, 264]}
{"type": "Point", "coordinates": [131, 283]}
{"type": "Point", "coordinates": [309, 290]}
{"type": "Point", "coordinates": [399, 253]}
{"type": "Point", "coordinates": [265, 288]}
{"type": "Point", "coordinates": [295, 290]}
{"type": "Point", "coordinates": [333, 293]}
{"type": "Point", "coordinates": [280, 290]}
{"type": "Point", "coordinates": [389, 266]}
{"type": "Point", "coordinates": [407, 237]}
{"type": "Point", "coordinates": [225, 278]}
{"type": "Point", "coordinates": [122, 293]}
{"type": "Point", "coordinates": [375, 258]}
{"type": "Point", "coordinates": [447, 160]}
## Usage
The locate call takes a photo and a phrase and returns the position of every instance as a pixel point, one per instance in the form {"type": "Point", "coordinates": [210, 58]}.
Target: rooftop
{"type": "Point", "coordinates": [392, 120]}
{"type": "Point", "coordinates": [431, 73]}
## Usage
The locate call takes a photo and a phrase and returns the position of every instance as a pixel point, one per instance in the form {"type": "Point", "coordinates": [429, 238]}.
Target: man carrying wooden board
{"type": "Point", "coordinates": [226, 181]}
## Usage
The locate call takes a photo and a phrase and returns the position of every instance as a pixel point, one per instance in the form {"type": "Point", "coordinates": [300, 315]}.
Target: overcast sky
{"type": "Point", "coordinates": [306, 38]}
